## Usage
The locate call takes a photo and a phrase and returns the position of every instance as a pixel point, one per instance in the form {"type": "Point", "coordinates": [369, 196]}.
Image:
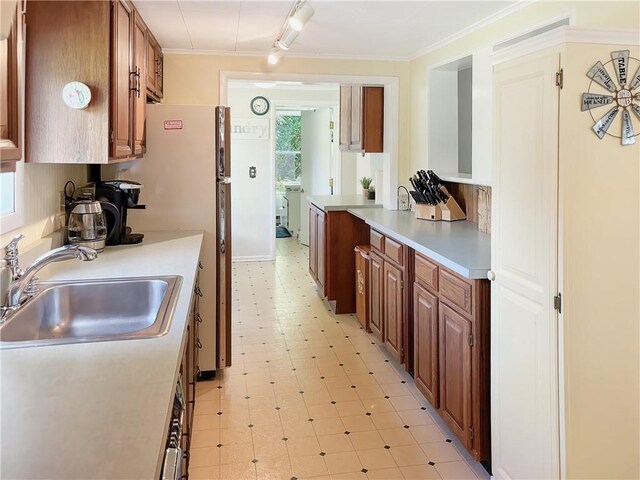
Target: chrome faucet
{"type": "Point", "coordinates": [23, 285]}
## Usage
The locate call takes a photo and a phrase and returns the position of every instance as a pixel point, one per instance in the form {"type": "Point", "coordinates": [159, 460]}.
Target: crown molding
{"type": "Point", "coordinates": [505, 12]}
{"type": "Point", "coordinates": [568, 34]}
{"type": "Point", "coordinates": [223, 53]}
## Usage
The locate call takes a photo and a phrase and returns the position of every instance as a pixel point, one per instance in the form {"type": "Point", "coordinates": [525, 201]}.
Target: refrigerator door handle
{"type": "Point", "coordinates": [226, 181]}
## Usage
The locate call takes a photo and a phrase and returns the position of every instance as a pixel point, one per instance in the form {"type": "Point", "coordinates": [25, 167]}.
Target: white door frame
{"type": "Point", "coordinates": [391, 113]}
{"type": "Point", "coordinates": [279, 104]}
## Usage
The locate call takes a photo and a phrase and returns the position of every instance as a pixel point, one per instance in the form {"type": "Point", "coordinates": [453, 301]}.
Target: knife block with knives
{"type": "Point", "coordinates": [433, 201]}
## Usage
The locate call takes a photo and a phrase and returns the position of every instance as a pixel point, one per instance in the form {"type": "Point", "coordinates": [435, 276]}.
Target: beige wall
{"type": "Point", "coordinates": [601, 284]}
{"type": "Point", "coordinates": [195, 79]}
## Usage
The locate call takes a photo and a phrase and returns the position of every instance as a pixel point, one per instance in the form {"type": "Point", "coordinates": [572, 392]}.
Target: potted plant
{"type": "Point", "coordinates": [366, 183]}
{"type": "Point", "coordinates": [372, 192]}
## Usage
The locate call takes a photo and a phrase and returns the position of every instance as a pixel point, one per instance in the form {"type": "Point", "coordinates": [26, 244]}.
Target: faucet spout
{"type": "Point", "coordinates": [66, 252]}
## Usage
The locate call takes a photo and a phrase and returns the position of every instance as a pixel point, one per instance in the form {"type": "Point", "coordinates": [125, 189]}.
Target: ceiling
{"type": "Point", "coordinates": [372, 29]}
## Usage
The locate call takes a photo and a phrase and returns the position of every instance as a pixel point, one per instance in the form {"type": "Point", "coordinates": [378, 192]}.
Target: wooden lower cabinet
{"type": "Point", "coordinates": [451, 350]}
{"type": "Point", "coordinates": [455, 373]}
{"type": "Point", "coordinates": [313, 242]}
{"type": "Point", "coordinates": [376, 281]}
{"type": "Point", "coordinates": [321, 248]}
{"type": "Point", "coordinates": [425, 334]}
{"type": "Point", "coordinates": [393, 310]}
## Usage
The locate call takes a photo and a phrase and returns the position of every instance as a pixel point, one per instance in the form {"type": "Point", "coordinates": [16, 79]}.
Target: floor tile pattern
{"type": "Point", "coordinates": [311, 394]}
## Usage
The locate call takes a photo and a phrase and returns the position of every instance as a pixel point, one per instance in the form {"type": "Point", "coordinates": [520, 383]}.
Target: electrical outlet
{"type": "Point", "coordinates": [252, 172]}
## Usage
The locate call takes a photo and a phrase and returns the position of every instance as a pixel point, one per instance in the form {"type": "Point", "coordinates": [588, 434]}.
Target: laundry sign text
{"type": "Point", "coordinates": [250, 128]}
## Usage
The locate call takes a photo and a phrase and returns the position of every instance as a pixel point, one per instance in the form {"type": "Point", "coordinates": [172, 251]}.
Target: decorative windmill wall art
{"type": "Point", "coordinates": [623, 97]}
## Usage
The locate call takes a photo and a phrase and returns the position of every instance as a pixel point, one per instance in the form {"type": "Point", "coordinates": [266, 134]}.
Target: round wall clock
{"type": "Point", "coordinates": [259, 105]}
{"type": "Point", "coordinates": [622, 95]}
{"type": "Point", "coordinates": [76, 95]}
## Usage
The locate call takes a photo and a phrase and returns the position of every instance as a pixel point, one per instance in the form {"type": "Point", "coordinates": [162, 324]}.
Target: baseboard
{"type": "Point", "coordinates": [256, 258]}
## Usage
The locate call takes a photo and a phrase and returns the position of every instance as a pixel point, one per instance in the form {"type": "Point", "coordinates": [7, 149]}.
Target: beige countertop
{"type": "Point", "coordinates": [330, 203]}
{"type": "Point", "coordinates": [98, 410]}
{"type": "Point", "coordinates": [456, 245]}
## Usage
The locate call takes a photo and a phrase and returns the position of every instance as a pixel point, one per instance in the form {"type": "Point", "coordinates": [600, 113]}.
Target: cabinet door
{"type": "Point", "coordinates": [321, 247]}
{"type": "Point", "coordinates": [376, 300]}
{"type": "Point", "coordinates": [425, 337]}
{"type": "Point", "coordinates": [355, 140]}
{"type": "Point", "coordinates": [313, 243]}
{"type": "Point", "coordinates": [373, 119]}
{"type": "Point", "coordinates": [455, 372]}
{"type": "Point", "coordinates": [9, 118]}
{"type": "Point", "coordinates": [151, 63]}
{"type": "Point", "coordinates": [345, 116]}
{"type": "Point", "coordinates": [140, 85]}
{"type": "Point", "coordinates": [121, 80]}
{"type": "Point", "coordinates": [159, 71]}
{"type": "Point", "coordinates": [393, 310]}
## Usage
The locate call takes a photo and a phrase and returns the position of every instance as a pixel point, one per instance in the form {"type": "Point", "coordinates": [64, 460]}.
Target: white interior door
{"type": "Point", "coordinates": [524, 367]}
{"type": "Point", "coordinates": [316, 161]}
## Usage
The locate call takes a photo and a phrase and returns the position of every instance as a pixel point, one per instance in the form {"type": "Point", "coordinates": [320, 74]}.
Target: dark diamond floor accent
{"type": "Point", "coordinates": [431, 463]}
{"type": "Point", "coordinates": [387, 397]}
{"type": "Point", "coordinates": [406, 426]}
{"type": "Point", "coordinates": [347, 432]}
{"type": "Point", "coordinates": [247, 398]}
{"type": "Point", "coordinates": [333, 402]}
{"type": "Point", "coordinates": [448, 440]}
{"type": "Point", "coordinates": [219, 445]}
{"type": "Point", "coordinates": [310, 420]}
{"type": "Point", "coordinates": [322, 454]}
{"type": "Point", "coordinates": [387, 447]}
{"type": "Point", "coordinates": [368, 414]}
{"type": "Point", "coordinates": [423, 408]}
{"type": "Point", "coordinates": [219, 413]}
{"type": "Point", "coordinates": [364, 470]}
{"type": "Point", "coordinates": [255, 460]}
{"type": "Point", "coordinates": [277, 408]}
{"type": "Point", "coordinates": [285, 439]}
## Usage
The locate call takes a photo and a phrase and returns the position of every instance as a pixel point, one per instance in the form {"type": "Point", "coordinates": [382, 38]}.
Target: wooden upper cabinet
{"type": "Point", "coordinates": [361, 118]}
{"type": "Point", "coordinates": [102, 44]}
{"type": "Point", "coordinates": [139, 88]}
{"type": "Point", "coordinates": [123, 80]}
{"type": "Point", "coordinates": [10, 150]}
{"type": "Point", "coordinates": [393, 310]}
{"type": "Point", "coordinates": [376, 282]}
{"type": "Point", "coordinates": [425, 336]}
{"type": "Point", "coordinates": [373, 119]}
{"type": "Point", "coordinates": [455, 373]}
{"type": "Point", "coordinates": [154, 68]}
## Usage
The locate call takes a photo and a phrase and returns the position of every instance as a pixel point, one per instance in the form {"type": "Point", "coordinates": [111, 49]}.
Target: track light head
{"type": "Point", "coordinates": [274, 57]}
{"type": "Point", "coordinates": [301, 16]}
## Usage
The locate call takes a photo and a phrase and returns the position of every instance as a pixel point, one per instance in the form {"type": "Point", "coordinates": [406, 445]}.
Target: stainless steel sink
{"type": "Point", "coordinates": [93, 311]}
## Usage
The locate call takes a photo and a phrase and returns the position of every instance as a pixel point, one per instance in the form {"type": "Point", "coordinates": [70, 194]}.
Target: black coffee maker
{"type": "Point", "coordinates": [124, 194]}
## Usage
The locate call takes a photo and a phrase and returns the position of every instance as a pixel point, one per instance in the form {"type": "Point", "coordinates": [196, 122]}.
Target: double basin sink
{"type": "Point", "coordinates": [93, 311]}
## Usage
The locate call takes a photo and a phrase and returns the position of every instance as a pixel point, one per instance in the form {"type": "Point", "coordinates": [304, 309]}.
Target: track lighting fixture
{"type": "Point", "coordinates": [298, 16]}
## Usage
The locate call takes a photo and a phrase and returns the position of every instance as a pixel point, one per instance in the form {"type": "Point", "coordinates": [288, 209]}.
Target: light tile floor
{"type": "Point", "coordinates": [311, 394]}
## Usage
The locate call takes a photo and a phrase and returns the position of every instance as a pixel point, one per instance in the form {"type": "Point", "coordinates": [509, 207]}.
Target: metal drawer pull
{"type": "Point", "coordinates": [200, 266]}
{"type": "Point", "coordinates": [197, 291]}
{"type": "Point", "coordinates": [198, 318]}
{"type": "Point", "coordinates": [198, 343]}
{"type": "Point", "coordinates": [136, 87]}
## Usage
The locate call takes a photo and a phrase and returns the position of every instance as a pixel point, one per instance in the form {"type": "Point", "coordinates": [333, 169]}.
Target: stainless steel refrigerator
{"type": "Point", "coordinates": [186, 186]}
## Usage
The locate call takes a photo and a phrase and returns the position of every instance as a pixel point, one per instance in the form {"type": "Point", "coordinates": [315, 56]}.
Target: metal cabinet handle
{"type": "Point", "coordinates": [200, 266]}
{"type": "Point", "coordinates": [198, 318]}
{"type": "Point", "coordinates": [136, 87]}
{"type": "Point", "coordinates": [198, 343]}
{"type": "Point", "coordinates": [491, 275]}
{"type": "Point", "coordinates": [197, 291]}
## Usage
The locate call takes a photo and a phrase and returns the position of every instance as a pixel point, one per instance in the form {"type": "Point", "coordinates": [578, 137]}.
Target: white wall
{"type": "Point", "coordinates": [253, 200]}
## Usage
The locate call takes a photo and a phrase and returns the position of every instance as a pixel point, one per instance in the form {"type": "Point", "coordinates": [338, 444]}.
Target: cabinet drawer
{"type": "Point", "coordinates": [394, 251]}
{"type": "Point", "coordinates": [376, 240]}
{"type": "Point", "coordinates": [426, 273]}
{"type": "Point", "coordinates": [457, 290]}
